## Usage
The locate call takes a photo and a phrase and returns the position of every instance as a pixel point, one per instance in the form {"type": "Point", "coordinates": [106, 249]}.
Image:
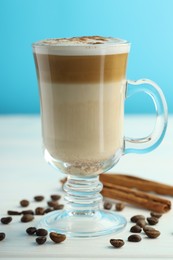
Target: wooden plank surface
{"type": "Point", "coordinates": [24, 174]}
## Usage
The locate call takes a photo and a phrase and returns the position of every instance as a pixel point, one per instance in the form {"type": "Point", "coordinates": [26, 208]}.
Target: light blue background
{"type": "Point", "coordinates": [147, 24]}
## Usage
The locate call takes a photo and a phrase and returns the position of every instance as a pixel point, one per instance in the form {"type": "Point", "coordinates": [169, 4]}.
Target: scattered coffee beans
{"type": "Point", "coordinates": [152, 220]}
{"type": "Point", "coordinates": [155, 214]}
{"type": "Point", "coordinates": [41, 232]}
{"type": "Point", "coordinates": [52, 203]}
{"type": "Point", "coordinates": [56, 237]}
{"type": "Point", "coordinates": [134, 238]}
{"type": "Point", "coordinates": [24, 203]}
{"type": "Point", "coordinates": [31, 212]}
{"type": "Point", "coordinates": [135, 218]}
{"type": "Point", "coordinates": [147, 228]}
{"type": "Point", "coordinates": [39, 211]}
{"type": "Point", "coordinates": [55, 197]}
{"type": "Point", "coordinates": [27, 218]}
{"type": "Point", "coordinates": [39, 198]}
{"type": "Point", "coordinates": [152, 233]}
{"type": "Point", "coordinates": [13, 212]}
{"type": "Point", "coordinates": [136, 229]}
{"type": "Point", "coordinates": [6, 220]}
{"type": "Point", "coordinates": [40, 240]}
{"type": "Point", "coordinates": [119, 206]}
{"type": "Point", "coordinates": [31, 230]}
{"type": "Point", "coordinates": [59, 206]}
{"type": "Point", "coordinates": [2, 236]}
{"type": "Point", "coordinates": [141, 223]}
{"type": "Point", "coordinates": [48, 210]}
{"type": "Point", "coordinates": [107, 205]}
{"type": "Point", "coordinates": [117, 243]}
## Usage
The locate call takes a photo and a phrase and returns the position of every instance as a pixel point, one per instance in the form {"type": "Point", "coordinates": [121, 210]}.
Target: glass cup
{"type": "Point", "coordinates": [83, 87]}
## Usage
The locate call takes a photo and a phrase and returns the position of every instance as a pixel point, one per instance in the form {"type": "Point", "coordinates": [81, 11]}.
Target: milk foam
{"type": "Point", "coordinates": [80, 46]}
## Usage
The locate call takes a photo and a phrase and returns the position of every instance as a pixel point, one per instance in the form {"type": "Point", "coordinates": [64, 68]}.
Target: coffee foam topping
{"type": "Point", "coordinates": [90, 45]}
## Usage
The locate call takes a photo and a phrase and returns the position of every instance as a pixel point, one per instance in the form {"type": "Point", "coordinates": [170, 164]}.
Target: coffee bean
{"type": "Point", "coordinates": [39, 198]}
{"type": "Point", "coordinates": [117, 243]}
{"type": "Point", "coordinates": [152, 220]}
{"type": "Point", "coordinates": [48, 210]}
{"type": "Point", "coordinates": [55, 197]}
{"type": "Point", "coordinates": [134, 238]}
{"type": "Point", "coordinates": [41, 232]}
{"type": "Point", "coordinates": [6, 220]}
{"type": "Point", "coordinates": [31, 230]}
{"type": "Point", "coordinates": [31, 212]}
{"type": "Point", "coordinates": [13, 212]}
{"type": "Point", "coordinates": [2, 236]}
{"type": "Point", "coordinates": [155, 214]}
{"type": "Point", "coordinates": [56, 237]}
{"type": "Point", "coordinates": [40, 240]}
{"type": "Point", "coordinates": [136, 218]}
{"type": "Point", "coordinates": [58, 207]}
{"type": "Point", "coordinates": [119, 206]}
{"type": "Point", "coordinates": [148, 228]}
{"type": "Point", "coordinates": [107, 205]}
{"type": "Point", "coordinates": [27, 218]}
{"type": "Point", "coordinates": [152, 233]}
{"type": "Point", "coordinates": [24, 203]}
{"type": "Point", "coordinates": [141, 223]}
{"type": "Point", "coordinates": [39, 211]}
{"type": "Point", "coordinates": [136, 229]}
{"type": "Point", "coordinates": [52, 203]}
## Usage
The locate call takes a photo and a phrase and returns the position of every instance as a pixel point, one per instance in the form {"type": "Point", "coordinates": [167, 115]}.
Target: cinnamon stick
{"type": "Point", "coordinates": [137, 183]}
{"type": "Point", "coordinates": [138, 198]}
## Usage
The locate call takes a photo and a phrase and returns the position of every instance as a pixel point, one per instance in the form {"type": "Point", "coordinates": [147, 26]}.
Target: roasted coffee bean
{"type": "Point", "coordinates": [13, 212]}
{"type": "Point", "coordinates": [39, 211]}
{"type": "Point", "coordinates": [59, 206]}
{"type": "Point", "coordinates": [24, 203]}
{"type": "Point", "coordinates": [147, 228]}
{"type": "Point", "coordinates": [40, 240]}
{"type": "Point", "coordinates": [6, 220]}
{"type": "Point", "coordinates": [135, 218]}
{"type": "Point", "coordinates": [41, 232]}
{"type": "Point", "coordinates": [117, 243]}
{"type": "Point", "coordinates": [39, 198]}
{"type": "Point", "coordinates": [136, 229]}
{"type": "Point", "coordinates": [31, 230]}
{"type": "Point", "coordinates": [48, 210]}
{"type": "Point", "coordinates": [27, 218]}
{"type": "Point", "coordinates": [2, 236]}
{"type": "Point", "coordinates": [56, 237]}
{"type": "Point", "coordinates": [152, 233]}
{"type": "Point", "coordinates": [55, 197]}
{"type": "Point", "coordinates": [119, 206]}
{"type": "Point", "coordinates": [134, 238]}
{"type": "Point", "coordinates": [107, 205]}
{"type": "Point", "coordinates": [31, 212]}
{"type": "Point", "coordinates": [155, 214]}
{"type": "Point", "coordinates": [52, 203]}
{"type": "Point", "coordinates": [152, 220]}
{"type": "Point", "coordinates": [141, 222]}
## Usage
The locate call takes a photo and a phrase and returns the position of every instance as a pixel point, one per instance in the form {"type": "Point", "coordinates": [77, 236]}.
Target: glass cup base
{"type": "Point", "coordinates": [89, 224]}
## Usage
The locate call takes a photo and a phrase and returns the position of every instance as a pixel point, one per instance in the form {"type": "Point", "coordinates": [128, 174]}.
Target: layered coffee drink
{"type": "Point", "coordinates": [82, 89]}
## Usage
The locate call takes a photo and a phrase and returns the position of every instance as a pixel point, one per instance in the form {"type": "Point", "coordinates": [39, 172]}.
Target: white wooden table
{"type": "Point", "coordinates": [24, 174]}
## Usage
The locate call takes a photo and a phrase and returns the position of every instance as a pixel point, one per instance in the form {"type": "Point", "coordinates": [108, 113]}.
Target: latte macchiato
{"type": "Point", "coordinates": [82, 89]}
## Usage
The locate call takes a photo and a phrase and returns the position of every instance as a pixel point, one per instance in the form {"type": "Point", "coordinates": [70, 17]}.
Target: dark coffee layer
{"type": "Point", "coordinates": [80, 69]}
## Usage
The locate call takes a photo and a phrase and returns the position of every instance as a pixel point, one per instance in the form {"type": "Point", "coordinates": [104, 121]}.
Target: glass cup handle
{"type": "Point", "coordinates": [150, 142]}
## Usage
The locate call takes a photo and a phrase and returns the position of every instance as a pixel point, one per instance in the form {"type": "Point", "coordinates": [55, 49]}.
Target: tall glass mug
{"type": "Point", "coordinates": [83, 86]}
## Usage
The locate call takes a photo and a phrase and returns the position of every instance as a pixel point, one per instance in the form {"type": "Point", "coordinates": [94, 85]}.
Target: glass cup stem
{"type": "Point", "coordinates": [83, 195]}
{"type": "Point", "coordinates": [83, 216]}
